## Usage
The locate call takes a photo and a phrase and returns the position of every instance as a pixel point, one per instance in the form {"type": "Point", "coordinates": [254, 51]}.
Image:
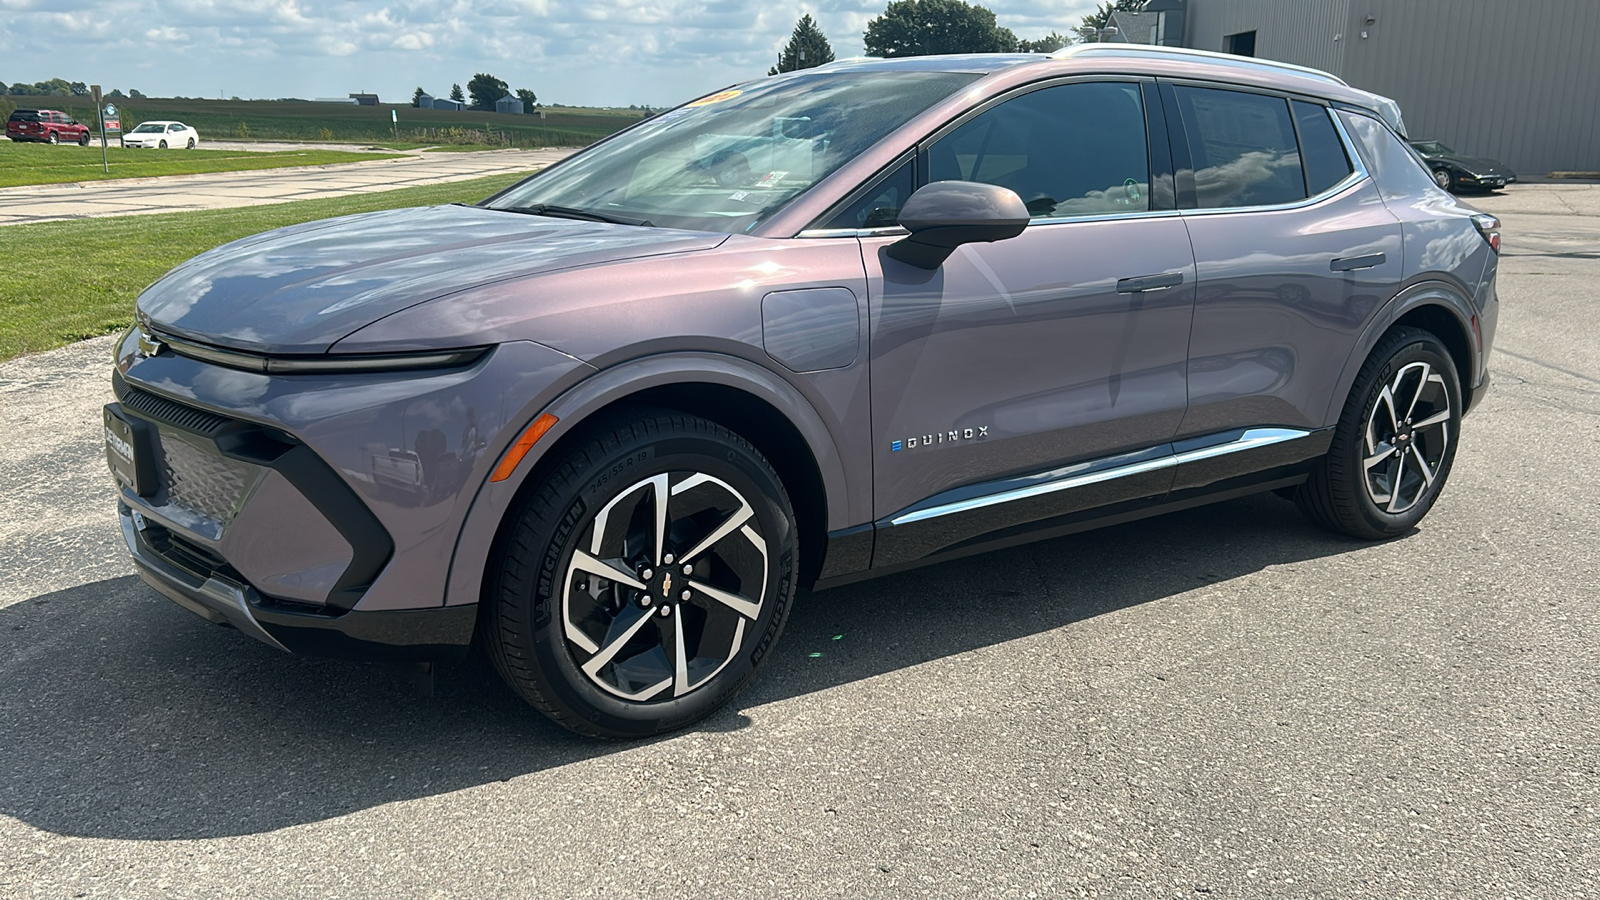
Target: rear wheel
{"type": "Point", "coordinates": [1394, 444]}
{"type": "Point", "coordinates": [644, 579]}
{"type": "Point", "coordinates": [54, 138]}
{"type": "Point", "coordinates": [163, 145]}
{"type": "Point", "coordinates": [1441, 177]}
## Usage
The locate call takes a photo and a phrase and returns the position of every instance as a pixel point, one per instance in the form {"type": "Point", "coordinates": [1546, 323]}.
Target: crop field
{"type": "Point", "coordinates": [296, 120]}
{"type": "Point", "coordinates": [23, 164]}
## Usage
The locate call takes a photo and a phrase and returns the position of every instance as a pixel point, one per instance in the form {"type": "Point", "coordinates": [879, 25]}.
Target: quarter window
{"type": "Point", "coordinates": [880, 206]}
{"type": "Point", "coordinates": [1242, 147]}
{"type": "Point", "coordinates": [1325, 161]}
{"type": "Point", "coordinates": [1071, 150]}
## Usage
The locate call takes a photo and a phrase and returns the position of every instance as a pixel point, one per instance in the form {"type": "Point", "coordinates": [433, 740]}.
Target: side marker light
{"type": "Point", "coordinates": [514, 456]}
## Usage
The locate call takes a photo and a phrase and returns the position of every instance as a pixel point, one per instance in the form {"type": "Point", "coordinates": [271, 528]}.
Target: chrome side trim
{"type": "Point", "coordinates": [1251, 439]}
{"type": "Point", "coordinates": [853, 232]}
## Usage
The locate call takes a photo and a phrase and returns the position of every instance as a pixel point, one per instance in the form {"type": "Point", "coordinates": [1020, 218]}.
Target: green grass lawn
{"type": "Point", "coordinates": [72, 280]}
{"type": "Point", "coordinates": [22, 164]}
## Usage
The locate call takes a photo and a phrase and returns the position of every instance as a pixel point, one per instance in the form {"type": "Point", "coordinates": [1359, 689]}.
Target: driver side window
{"type": "Point", "coordinates": [1070, 150]}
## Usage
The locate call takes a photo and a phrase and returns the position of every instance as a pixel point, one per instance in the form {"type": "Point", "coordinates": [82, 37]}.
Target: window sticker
{"type": "Point", "coordinates": [715, 98]}
{"type": "Point", "coordinates": [772, 178]}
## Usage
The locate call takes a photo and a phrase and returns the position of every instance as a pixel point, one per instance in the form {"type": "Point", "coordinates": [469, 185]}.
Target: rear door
{"type": "Point", "coordinates": [1002, 381]}
{"type": "Point", "coordinates": [1295, 250]}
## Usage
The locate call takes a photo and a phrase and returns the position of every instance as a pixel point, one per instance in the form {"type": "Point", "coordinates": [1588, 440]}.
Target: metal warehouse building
{"type": "Point", "coordinates": [1517, 81]}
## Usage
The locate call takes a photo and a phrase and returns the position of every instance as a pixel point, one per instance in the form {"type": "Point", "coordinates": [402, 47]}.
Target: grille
{"type": "Point", "coordinates": [163, 410]}
{"type": "Point", "coordinates": [202, 482]}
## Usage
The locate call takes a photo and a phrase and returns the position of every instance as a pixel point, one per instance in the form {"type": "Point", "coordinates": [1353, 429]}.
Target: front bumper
{"type": "Point", "coordinates": [316, 513]}
{"type": "Point", "coordinates": [186, 575]}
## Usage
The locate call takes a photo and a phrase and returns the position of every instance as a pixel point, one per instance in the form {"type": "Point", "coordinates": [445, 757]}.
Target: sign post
{"type": "Point", "coordinates": [394, 120]}
{"type": "Point", "coordinates": [100, 115]}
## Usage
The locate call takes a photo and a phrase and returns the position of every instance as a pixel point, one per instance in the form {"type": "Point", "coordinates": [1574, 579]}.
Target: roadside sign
{"type": "Point", "coordinates": [94, 93]}
{"type": "Point", "coordinates": [111, 109]}
{"type": "Point", "coordinates": [114, 125]}
{"type": "Point", "coordinates": [394, 116]}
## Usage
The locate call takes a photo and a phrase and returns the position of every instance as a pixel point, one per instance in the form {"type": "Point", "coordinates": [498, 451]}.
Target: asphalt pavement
{"type": "Point", "coordinates": [220, 190]}
{"type": "Point", "coordinates": [1224, 702]}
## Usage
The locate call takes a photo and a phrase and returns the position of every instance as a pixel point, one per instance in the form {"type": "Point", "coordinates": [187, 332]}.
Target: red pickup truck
{"type": "Point", "coordinates": [49, 125]}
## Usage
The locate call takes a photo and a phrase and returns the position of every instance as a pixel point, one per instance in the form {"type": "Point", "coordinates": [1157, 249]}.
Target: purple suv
{"type": "Point", "coordinates": [819, 327]}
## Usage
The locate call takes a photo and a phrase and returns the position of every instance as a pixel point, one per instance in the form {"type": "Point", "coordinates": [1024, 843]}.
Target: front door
{"type": "Point", "coordinates": [1003, 381]}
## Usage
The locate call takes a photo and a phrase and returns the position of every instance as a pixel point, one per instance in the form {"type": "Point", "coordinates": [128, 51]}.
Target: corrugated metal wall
{"type": "Point", "coordinates": [1518, 81]}
{"type": "Point", "coordinates": [1297, 31]}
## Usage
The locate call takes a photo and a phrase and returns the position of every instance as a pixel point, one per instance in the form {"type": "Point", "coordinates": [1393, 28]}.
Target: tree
{"type": "Point", "coordinates": [416, 99]}
{"type": "Point", "coordinates": [529, 100]}
{"type": "Point", "coordinates": [456, 95]}
{"type": "Point", "coordinates": [926, 27]}
{"type": "Point", "coordinates": [1050, 43]}
{"type": "Point", "coordinates": [133, 94]}
{"type": "Point", "coordinates": [808, 48]}
{"type": "Point", "coordinates": [485, 90]}
{"type": "Point", "coordinates": [1089, 29]}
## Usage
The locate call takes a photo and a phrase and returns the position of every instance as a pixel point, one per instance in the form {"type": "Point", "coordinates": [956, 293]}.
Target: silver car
{"type": "Point", "coordinates": [815, 328]}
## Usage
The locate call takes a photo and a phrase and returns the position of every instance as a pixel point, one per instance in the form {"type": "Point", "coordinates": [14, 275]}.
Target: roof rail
{"type": "Point", "coordinates": [1228, 59]}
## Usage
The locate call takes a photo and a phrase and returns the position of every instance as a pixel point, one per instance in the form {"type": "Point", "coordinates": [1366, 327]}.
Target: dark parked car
{"type": "Point", "coordinates": [47, 125]}
{"type": "Point", "coordinates": [818, 327]}
{"type": "Point", "coordinates": [1454, 171]}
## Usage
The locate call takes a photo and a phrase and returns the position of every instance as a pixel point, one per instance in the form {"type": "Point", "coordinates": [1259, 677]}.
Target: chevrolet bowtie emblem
{"type": "Point", "coordinates": [148, 345]}
{"type": "Point", "coordinates": [666, 583]}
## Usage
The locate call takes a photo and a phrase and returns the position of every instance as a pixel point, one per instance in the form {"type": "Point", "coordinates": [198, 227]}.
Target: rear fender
{"type": "Point", "coordinates": [1426, 293]}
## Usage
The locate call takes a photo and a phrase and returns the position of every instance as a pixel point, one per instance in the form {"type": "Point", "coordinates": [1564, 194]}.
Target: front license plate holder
{"type": "Point", "coordinates": [128, 451]}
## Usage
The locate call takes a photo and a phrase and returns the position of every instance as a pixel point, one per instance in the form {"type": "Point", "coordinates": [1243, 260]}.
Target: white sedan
{"type": "Point", "coordinates": [162, 135]}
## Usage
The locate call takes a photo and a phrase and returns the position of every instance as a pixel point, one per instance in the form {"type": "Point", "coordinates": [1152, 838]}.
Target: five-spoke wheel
{"type": "Point", "coordinates": [1394, 443]}
{"type": "Point", "coordinates": [648, 572]}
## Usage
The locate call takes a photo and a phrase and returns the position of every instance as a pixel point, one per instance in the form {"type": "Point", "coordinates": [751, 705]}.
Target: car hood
{"type": "Point", "coordinates": [1477, 165]}
{"type": "Point", "coordinates": [302, 288]}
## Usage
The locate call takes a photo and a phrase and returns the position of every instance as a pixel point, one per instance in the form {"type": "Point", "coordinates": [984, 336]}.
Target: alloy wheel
{"type": "Point", "coordinates": [1407, 437]}
{"type": "Point", "coordinates": [1441, 178]}
{"type": "Point", "coordinates": [663, 587]}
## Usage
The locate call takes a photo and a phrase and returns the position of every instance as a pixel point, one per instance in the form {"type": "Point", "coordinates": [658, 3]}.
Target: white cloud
{"type": "Point", "coordinates": [600, 52]}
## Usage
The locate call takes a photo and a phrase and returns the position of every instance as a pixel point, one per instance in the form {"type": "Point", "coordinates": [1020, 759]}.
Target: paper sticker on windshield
{"type": "Point", "coordinates": [771, 178]}
{"type": "Point", "coordinates": [715, 98]}
{"type": "Point", "coordinates": [739, 195]}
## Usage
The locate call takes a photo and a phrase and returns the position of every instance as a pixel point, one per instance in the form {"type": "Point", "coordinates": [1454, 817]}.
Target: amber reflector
{"type": "Point", "coordinates": [514, 456]}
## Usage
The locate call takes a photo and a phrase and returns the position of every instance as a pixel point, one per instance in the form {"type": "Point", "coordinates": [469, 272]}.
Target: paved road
{"type": "Point", "coordinates": [177, 193]}
{"type": "Point", "coordinates": [1220, 703]}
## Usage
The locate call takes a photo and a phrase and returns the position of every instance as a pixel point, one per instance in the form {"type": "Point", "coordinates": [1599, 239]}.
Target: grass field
{"type": "Point", "coordinates": [309, 121]}
{"type": "Point", "coordinates": [22, 164]}
{"type": "Point", "coordinates": [72, 280]}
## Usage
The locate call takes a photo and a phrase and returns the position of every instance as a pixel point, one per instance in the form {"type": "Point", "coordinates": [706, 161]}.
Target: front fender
{"type": "Point", "coordinates": [574, 407]}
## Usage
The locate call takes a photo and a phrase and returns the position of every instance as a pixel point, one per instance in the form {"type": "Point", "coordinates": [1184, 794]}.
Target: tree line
{"type": "Point", "coordinates": [59, 87]}
{"type": "Point", "coordinates": [486, 90]}
{"type": "Point", "coordinates": [928, 27]}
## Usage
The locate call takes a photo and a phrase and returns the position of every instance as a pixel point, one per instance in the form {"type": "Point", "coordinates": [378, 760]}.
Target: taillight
{"type": "Point", "coordinates": [1489, 227]}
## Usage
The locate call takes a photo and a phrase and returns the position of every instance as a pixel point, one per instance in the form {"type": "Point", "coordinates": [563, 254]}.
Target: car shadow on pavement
{"type": "Point", "coordinates": [123, 716]}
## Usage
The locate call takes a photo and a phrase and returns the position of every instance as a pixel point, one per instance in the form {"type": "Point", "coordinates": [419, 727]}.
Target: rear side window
{"type": "Point", "coordinates": [1242, 147]}
{"type": "Point", "coordinates": [24, 115]}
{"type": "Point", "coordinates": [1399, 172]}
{"type": "Point", "coordinates": [1320, 148]}
{"type": "Point", "coordinates": [1070, 150]}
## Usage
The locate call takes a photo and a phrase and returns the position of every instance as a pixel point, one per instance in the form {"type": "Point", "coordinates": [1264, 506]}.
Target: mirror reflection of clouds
{"type": "Point", "coordinates": [586, 52]}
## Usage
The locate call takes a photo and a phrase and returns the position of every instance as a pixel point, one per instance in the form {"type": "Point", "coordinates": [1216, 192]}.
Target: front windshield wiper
{"type": "Point", "coordinates": [572, 212]}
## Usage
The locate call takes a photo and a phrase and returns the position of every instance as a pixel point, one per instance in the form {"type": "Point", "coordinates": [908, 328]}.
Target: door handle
{"type": "Point", "coordinates": [1149, 282]}
{"type": "Point", "coordinates": [1350, 263]}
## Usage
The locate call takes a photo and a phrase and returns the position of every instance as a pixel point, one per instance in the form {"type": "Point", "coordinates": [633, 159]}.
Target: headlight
{"type": "Point", "coordinates": [322, 365]}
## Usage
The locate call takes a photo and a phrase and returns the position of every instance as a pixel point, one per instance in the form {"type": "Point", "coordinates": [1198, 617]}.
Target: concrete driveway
{"type": "Point", "coordinates": [177, 193]}
{"type": "Point", "coordinates": [1225, 702]}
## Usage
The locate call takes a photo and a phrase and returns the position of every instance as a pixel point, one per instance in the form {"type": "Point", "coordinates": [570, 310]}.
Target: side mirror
{"type": "Point", "coordinates": [946, 214]}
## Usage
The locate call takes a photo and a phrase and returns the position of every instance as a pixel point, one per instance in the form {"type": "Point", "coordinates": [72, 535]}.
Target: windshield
{"type": "Point", "coordinates": [147, 128]}
{"type": "Point", "coordinates": [725, 162]}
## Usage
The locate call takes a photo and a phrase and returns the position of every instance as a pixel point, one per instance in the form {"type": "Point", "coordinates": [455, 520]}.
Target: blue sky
{"type": "Point", "coordinates": [600, 52]}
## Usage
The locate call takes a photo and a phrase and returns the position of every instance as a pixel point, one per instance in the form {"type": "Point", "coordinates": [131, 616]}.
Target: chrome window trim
{"type": "Point", "coordinates": [897, 230]}
{"type": "Point", "coordinates": [1251, 439]}
{"type": "Point", "coordinates": [1357, 174]}
{"type": "Point", "coordinates": [884, 231]}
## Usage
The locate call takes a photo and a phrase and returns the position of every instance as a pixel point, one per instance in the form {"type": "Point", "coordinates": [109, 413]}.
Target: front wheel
{"type": "Point", "coordinates": [643, 579]}
{"type": "Point", "coordinates": [83, 139]}
{"type": "Point", "coordinates": [1441, 177]}
{"type": "Point", "coordinates": [1394, 444]}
